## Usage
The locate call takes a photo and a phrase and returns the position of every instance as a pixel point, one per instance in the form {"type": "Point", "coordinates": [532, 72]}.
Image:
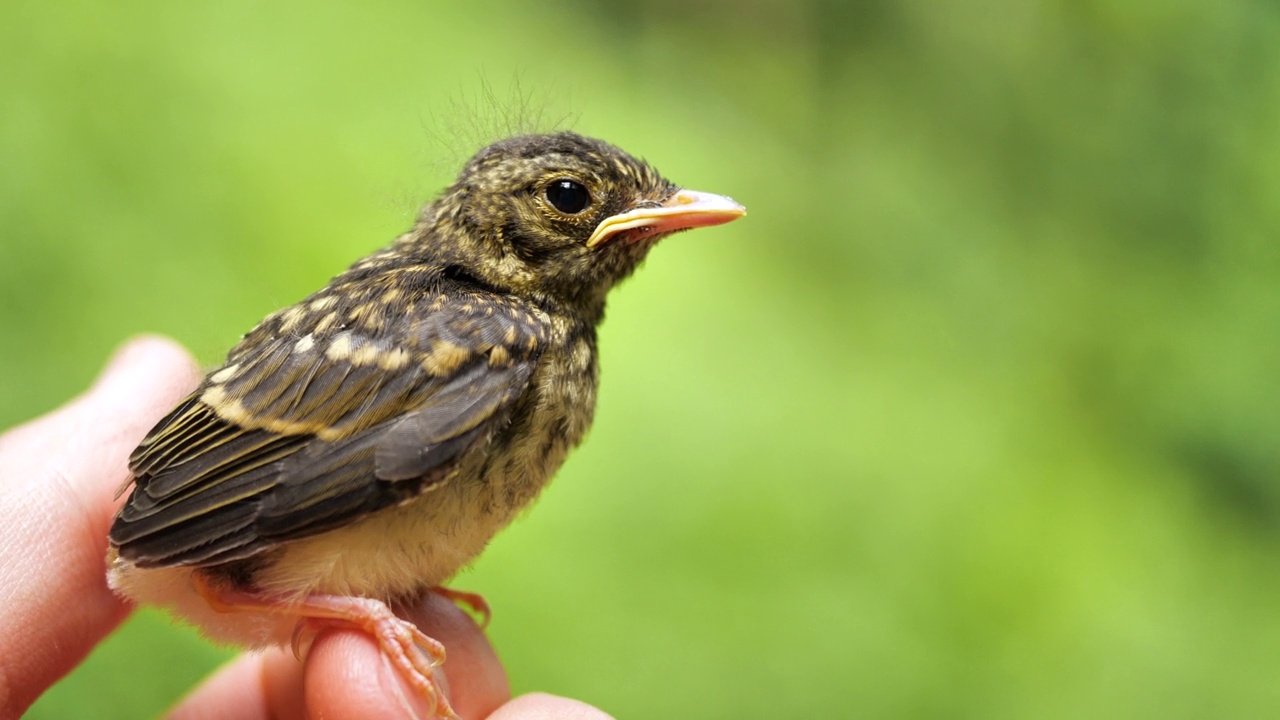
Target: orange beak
{"type": "Point", "coordinates": [686, 209]}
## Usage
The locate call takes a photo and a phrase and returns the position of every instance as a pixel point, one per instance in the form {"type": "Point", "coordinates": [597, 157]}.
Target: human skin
{"type": "Point", "coordinates": [59, 475]}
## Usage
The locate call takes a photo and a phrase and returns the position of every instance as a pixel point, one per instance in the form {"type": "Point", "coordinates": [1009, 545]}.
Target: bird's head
{"type": "Point", "coordinates": [559, 216]}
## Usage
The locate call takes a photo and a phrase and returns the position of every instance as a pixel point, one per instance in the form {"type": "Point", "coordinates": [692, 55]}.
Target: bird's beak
{"type": "Point", "coordinates": [686, 209]}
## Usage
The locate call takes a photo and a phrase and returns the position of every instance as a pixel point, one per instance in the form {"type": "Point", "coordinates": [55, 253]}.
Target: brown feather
{"type": "Point", "coordinates": [303, 431]}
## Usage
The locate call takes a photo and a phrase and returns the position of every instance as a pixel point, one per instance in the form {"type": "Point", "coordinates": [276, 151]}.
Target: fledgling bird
{"type": "Point", "coordinates": [360, 447]}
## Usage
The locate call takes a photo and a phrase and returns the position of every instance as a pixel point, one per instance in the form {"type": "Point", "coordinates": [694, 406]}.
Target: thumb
{"type": "Point", "coordinates": [60, 473]}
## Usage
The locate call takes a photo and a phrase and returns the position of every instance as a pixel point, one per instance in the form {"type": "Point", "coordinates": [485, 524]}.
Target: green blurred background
{"type": "Point", "coordinates": [977, 414]}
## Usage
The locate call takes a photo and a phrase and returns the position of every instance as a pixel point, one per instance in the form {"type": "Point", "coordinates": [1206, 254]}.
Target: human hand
{"type": "Point", "coordinates": [59, 477]}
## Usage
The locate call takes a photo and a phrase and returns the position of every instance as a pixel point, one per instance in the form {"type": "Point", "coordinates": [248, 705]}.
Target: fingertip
{"type": "Point", "coordinates": [239, 690]}
{"type": "Point", "coordinates": [541, 706]}
{"type": "Point", "coordinates": [142, 381]}
{"type": "Point", "coordinates": [148, 356]}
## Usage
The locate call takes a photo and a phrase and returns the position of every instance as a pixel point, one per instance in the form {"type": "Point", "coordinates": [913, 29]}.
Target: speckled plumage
{"type": "Point", "coordinates": [370, 439]}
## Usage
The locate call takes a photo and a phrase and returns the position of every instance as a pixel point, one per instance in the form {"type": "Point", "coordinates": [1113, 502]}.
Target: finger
{"type": "Point", "coordinates": [263, 685]}
{"type": "Point", "coordinates": [234, 692]}
{"type": "Point", "coordinates": [347, 676]}
{"type": "Point", "coordinates": [540, 706]}
{"type": "Point", "coordinates": [268, 686]}
{"type": "Point", "coordinates": [59, 475]}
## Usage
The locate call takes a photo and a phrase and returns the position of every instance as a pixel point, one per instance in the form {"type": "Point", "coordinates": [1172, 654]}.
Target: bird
{"type": "Point", "coordinates": [357, 449]}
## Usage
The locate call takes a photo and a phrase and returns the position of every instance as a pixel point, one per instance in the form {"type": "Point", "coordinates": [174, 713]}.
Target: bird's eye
{"type": "Point", "coordinates": [568, 196]}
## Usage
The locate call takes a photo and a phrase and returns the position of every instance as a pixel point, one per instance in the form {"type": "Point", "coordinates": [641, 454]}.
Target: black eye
{"type": "Point", "coordinates": [568, 196]}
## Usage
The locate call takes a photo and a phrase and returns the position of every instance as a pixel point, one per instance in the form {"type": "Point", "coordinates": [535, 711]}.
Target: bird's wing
{"type": "Point", "coordinates": [308, 427]}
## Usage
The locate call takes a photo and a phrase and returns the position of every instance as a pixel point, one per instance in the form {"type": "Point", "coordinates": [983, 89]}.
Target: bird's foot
{"type": "Point", "coordinates": [413, 653]}
{"type": "Point", "coordinates": [474, 602]}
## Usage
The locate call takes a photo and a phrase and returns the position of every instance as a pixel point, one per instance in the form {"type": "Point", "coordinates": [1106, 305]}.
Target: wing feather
{"type": "Point", "coordinates": [309, 427]}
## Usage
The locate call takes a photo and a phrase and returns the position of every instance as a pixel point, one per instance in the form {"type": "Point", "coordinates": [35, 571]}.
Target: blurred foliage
{"type": "Point", "coordinates": [975, 415]}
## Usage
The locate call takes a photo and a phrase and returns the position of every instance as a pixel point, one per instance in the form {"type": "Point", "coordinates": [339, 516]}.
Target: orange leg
{"type": "Point", "coordinates": [474, 602]}
{"type": "Point", "coordinates": [410, 651]}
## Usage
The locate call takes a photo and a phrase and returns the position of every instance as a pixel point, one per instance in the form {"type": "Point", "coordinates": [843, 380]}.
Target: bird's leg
{"type": "Point", "coordinates": [414, 654]}
{"type": "Point", "coordinates": [474, 602]}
